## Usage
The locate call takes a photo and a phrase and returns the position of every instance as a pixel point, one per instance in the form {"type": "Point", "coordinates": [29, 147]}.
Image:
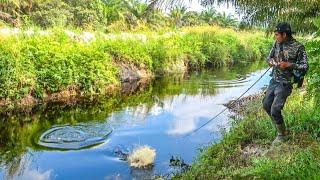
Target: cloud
{"type": "Point", "coordinates": [33, 174]}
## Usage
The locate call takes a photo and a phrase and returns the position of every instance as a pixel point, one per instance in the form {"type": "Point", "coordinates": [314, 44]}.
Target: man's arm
{"type": "Point", "coordinates": [302, 61]}
{"type": "Point", "coordinates": [271, 55]}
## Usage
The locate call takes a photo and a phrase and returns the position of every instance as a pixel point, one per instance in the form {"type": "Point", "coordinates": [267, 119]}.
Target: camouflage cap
{"type": "Point", "coordinates": [283, 27]}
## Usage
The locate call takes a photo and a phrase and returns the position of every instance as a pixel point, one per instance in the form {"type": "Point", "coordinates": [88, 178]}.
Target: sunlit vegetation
{"type": "Point", "coordinates": [38, 63]}
{"type": "Point", "coordinates": [78, 46]}
{"type": "Point", "coordinates": [302, 14]}
{"type": "Point", "coordinates": [110, 16]}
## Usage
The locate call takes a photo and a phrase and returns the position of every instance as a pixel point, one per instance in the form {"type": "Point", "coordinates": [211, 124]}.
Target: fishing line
{"type": "Point", "coordinates": [227, 107]}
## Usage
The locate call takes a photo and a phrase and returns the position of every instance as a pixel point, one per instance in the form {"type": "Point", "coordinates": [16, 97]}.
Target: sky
{"type": "Point", "coordinates": [194, 5]}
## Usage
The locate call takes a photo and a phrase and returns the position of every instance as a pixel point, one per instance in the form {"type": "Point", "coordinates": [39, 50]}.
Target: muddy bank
{"type": "Point", "coordinates": [239, 108]}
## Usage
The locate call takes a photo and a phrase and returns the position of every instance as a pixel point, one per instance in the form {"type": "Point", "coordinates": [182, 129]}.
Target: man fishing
{"type": "Point", "coordinates": [289, 63]}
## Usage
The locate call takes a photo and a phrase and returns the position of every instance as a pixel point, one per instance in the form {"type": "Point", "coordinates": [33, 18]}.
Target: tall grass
{"type": "Point", "coordinates": [40, 63]}
{"type": "Point", "coordinates": [246, 153]}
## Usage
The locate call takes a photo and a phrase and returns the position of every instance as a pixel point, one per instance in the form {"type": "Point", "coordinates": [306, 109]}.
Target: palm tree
{"type": "Point", "coordinates": [191, 18]}
{"type": "Point", "coordinates": [137, 8]}
{"type": "Point", "coordinates": [226, 20]}
{"type": "Point", "coordinates": [113, 10]}
{"type": "Point", "coordinates": [301, 13]}
{"type": "Point", "coordinates": [156, 18]}
{"type": "Point", "coordinates": [177, 15]}
{"type": "Point", "coordinates": [209, 15]}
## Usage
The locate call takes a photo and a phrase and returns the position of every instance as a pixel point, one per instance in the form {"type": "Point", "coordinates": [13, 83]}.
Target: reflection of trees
{"type": "Point", "coordinates": [19, 131]}
{"type": "Point", "coordinates": [12, 150]}
{"type": "Point", "coordinates": [19, 165]}
{"type": "Point", "coordinates": [168, 88]}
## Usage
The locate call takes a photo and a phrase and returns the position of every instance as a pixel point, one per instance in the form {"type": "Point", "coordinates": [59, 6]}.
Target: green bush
{"type": "Point", "coordinates": [313, 50]}
{"type": "Point", "coordinates": [167, 54]}
{"type": "Point", "coordinates": [39, 64]}
{"type": "Point", "coordinates": [128, 51]}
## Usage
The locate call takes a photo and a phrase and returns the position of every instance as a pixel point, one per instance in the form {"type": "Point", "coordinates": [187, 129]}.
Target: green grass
{"type": "Point", "coordinates": [298, 158]}
{"type": "Point", "coordinates": [39, 65]}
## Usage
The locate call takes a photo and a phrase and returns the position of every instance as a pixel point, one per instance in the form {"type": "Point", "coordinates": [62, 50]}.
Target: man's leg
{"type": "Point", "coordinates": [282, 91]}
{"type": "Point", "coordinates": [269, 97]}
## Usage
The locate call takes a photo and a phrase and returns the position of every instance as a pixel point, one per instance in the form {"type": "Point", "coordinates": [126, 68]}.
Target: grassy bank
{"type": "Point", "coordinates": [246, 153]}
{"type": "Point", "coordinates": [38, 64]}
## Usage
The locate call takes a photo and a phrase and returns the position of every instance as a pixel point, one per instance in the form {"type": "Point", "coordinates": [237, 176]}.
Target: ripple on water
{"type": "Point", "coordinates": [75, 137]}
{"type": "Point", "coordinates": [239, 82]}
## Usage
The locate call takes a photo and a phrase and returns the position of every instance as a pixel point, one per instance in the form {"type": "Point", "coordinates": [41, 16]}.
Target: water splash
{"type": "Point", "coordinates": [75, 137]}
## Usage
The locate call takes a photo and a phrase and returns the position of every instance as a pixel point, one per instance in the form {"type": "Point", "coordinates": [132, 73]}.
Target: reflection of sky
{"type": "Point", "coordinates": [2, 175]}
{"type": "Point", "coordinates": [188, 111]}
{"type": "Point", "coordinates": [34, 174]}
{"type": "Point", "coordinates": [26, 171]}
{"type": "Point", "coordinates": [161, 126]}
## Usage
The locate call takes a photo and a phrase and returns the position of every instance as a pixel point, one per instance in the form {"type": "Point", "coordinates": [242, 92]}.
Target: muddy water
{"type": "Point", "coordinates": [159, 116]}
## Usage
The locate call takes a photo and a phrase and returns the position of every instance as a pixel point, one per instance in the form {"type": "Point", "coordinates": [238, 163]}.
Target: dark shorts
{"type": "Point", "coordinates": [275, 98]}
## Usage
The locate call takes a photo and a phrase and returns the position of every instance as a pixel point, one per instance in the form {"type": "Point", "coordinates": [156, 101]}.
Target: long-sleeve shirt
{"type": "Point", "coordinates": [291, 51]}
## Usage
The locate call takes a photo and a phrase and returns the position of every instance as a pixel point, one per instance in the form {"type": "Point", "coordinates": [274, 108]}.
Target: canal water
{"type": "Point", "coordinates": [159, 115]}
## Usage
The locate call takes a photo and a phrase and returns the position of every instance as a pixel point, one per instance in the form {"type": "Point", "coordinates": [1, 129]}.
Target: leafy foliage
{"type": "Point", "coordinates": [300, 13]}
{"type": "Point", "coordinates": [37, 65]}
{"type": "Point", "coordinates": [314, 73]}
{"type": "Point", "coordinates": [111, 15]}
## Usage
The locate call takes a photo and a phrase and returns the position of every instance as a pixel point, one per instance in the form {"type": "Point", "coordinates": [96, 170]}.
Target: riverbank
{"type": "Point", "coordinates": [245, 152]}
{"type": "Point", "coordinates": [64, 66]}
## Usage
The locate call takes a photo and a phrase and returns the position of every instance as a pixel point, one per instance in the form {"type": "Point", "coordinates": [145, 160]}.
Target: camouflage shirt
{"type": "Point", "coordinates": [291, 51]}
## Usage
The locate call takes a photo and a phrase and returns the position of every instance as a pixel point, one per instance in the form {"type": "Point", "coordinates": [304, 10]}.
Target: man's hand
{"type": "Point", "coordinates": [284, 65]}
{"type": "Point", "coordinates": [272, 62]}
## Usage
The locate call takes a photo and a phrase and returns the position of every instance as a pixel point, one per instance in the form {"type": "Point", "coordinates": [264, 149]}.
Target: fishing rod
{"type": "Point", "coordinates": [194, 131]}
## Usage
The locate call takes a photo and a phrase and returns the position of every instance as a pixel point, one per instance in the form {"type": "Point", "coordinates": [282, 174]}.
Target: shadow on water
{"type": "Point", "coordinates": [157, 115]}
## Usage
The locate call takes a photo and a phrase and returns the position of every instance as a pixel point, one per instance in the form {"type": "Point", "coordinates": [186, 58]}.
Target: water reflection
{"type": "Point", "coordinates": [158, 116]}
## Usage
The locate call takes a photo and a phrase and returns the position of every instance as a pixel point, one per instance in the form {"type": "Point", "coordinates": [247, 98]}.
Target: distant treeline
{"type": "Point", "coordinates": [111, 15]}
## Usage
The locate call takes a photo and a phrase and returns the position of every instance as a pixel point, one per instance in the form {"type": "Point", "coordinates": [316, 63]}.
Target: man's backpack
{"type": "Point", "coordinates": [298, 77]}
